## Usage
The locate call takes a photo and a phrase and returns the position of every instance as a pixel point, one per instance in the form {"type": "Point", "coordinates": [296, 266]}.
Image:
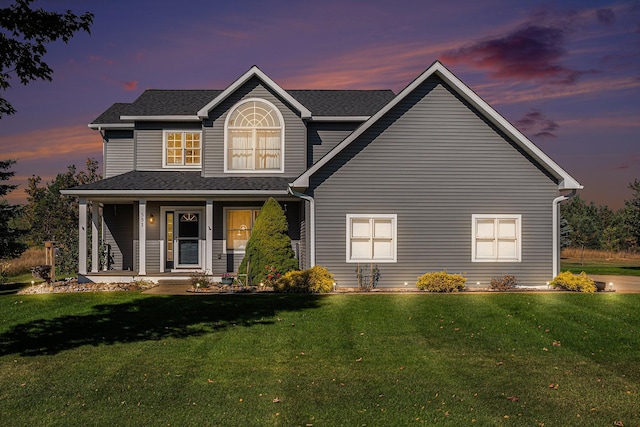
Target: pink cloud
{"type": "Point", "coordinates": [130, 85]}
{"type": "Point", "coordinates": [531, 52]}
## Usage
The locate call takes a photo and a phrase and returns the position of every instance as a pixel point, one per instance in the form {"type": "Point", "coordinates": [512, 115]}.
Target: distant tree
{"type": "Point", "coordinates": [10, 244]}
{"type": "Point", "coordinates": [269, 247]}
{"type": "Point", "coordinates": [631, 218]}
{"type": "Point", "coordinates": [54, 216]}
{"type": "Point", "coordinates": [584, 222]}
{"type": "Point", "coordinates": [24, 34]}
{"type": "Point", "coordinates": [565, 233]}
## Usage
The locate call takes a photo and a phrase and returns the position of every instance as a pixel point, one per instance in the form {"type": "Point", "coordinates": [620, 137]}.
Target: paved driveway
{"type": "Point", "coordinates": [620, 283]}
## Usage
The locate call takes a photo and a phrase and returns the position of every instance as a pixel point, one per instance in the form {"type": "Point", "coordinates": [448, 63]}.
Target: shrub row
{"type": "Point", "coordinates": [312, 280]}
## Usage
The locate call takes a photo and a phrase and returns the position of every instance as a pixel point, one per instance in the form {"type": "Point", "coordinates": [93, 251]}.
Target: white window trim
{"type": "Point", "coordinates": [394, 237]}
{"type": "Point", "coordinates": [495, 217]}
{"type": "Point", "coordinates": [224, 225]}
{"type": "Point", "coordinates": [226, 140]}
{"type": "Point", "coordinates": [164, 149]}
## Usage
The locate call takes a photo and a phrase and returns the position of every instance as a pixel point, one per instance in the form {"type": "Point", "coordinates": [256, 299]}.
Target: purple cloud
{"type": "Point", "coordinates": [605, 16]}
{"type": "Point", "coordinates": [538, 124]}
{"type": "Point", "coordinates": [531, 52]}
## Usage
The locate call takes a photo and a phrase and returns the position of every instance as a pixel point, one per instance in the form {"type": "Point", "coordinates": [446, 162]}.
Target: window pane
{"type": "Point", "coordinates": [240, 149]}
{"type": "Point", "coordinates": [485, 249]}
{"type": "Point", "coordinates": [382, 249]}
{"type": "Point", "coordinates": [382, 228]}
{"type": "Point", "coordinates": [507, 249]}
{"type": "Point", "coordinates": [238, 228]}
{"type": "Point", "coordinates": [360, 228]}
{"type": "Point", "coordinates": [360, 249]}
{"type": "Point", "coordinates": [507, 228]}
{"type": "Point", "coordinates": [484, 228]}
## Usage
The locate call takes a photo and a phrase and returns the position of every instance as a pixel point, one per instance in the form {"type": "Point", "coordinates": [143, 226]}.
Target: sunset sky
{"type": "Point", "coordinates": [566, 73]}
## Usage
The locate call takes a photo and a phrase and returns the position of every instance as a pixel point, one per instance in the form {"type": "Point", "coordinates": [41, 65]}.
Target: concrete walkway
{"type": "Point", "coordinates": [623, 284]}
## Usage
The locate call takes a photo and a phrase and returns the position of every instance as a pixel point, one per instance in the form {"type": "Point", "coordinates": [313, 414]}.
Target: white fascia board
{"type": "Point", "coordinates": [173, 193]}
{"type": "Point", "coordinates": [95, 126]}
{"type": "Point", "coordinates": [253, 72]}
{"type": "Point", "coordinates": [339, 118]}
{"type": "Point", "coordinates": [161, 118]}
{"type": "Point", "coordinates": [566, 182]}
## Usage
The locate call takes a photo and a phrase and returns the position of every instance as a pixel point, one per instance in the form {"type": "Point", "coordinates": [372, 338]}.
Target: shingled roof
{"type": "Point", "coordinates": [181, 181]}
{"type": "Point", "coordinates": [327, 103]}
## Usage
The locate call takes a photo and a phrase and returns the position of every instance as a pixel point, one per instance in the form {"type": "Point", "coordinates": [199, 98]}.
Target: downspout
{"type": "Point", "coordinates": [556, 230]}
{"type": "Point", "coordinates": [312, 225]}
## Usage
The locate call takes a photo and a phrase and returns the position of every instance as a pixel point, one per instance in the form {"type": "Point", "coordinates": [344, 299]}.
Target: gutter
{"type": "Point", "coordinates": [556, 229]}
{"type": "Point", "coordinates": [312, 225]}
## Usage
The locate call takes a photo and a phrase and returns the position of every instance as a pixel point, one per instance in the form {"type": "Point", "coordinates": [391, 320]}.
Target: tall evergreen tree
{"type": "Point", "coordinates": [269, 245]}
{"type": "Point", "coordinates": [10, 245]}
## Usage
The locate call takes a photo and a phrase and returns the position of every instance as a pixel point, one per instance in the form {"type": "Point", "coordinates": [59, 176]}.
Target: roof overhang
{"type": "Point", "coordinates": [565, 181]}
{"type": "Point", "coordinates": [254, 72]}
{"type": "Point", "coordinates": [144, 194]}
{"type": "Point", "coordinates": [101, 126]}
{"type": "Point", "coordinates": [176, 118]}
{"type": "Point", "coordinates": [339, 118]}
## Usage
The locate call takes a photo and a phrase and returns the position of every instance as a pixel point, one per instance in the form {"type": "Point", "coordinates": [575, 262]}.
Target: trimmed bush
{"type": "Point", "coordinates": [269, 247]}
{"type": "Point", "coordinates": [574, 282]}
{"type": "Point", "coordinates": [504, 283]}
{"type": "Point", "coordinates": [313, 280]}
{"type": "Point", "coordinates": [441, 282]}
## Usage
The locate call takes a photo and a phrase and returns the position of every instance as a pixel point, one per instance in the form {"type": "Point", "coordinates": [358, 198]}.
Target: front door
{"type": "Point", "coordinates": [183, 239]}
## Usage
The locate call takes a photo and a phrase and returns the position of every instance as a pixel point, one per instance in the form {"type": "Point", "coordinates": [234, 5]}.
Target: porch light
{"type": "Point", "coordinates": [151, 219]}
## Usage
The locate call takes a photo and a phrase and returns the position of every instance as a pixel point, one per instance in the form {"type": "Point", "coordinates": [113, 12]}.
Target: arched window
{"type": "Point", "coordinates": [254, 137]}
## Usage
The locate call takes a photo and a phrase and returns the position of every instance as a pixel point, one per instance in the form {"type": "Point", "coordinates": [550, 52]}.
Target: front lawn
{"type": "Point", "coordinates": [513, 359]}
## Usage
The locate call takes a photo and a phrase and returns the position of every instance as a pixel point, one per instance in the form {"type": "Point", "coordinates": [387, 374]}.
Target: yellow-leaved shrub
{"type": "Point", "coordinates": [441, 282]}
{"type": "Point", "coordinates": [574, 282]}
{"type": "Point", "coordinates": [312, 280]}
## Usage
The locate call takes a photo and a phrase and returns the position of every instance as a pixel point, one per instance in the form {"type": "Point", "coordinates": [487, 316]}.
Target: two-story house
{"type": "Point", "coordinates": [429, 179]}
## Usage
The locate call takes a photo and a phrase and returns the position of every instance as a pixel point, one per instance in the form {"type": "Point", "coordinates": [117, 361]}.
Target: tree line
{"type": "Point", "coordinates": [587, 226]}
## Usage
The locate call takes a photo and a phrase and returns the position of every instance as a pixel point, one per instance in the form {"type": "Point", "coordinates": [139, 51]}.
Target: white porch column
{"type": "Point", "coordinates": [82, 236]}
{"type": "Point", "coordinates": [95, 250]}
{"type": "Point", "coordinates": [208, 253]}
{"type": "Point", "coordinates": [142, 237]}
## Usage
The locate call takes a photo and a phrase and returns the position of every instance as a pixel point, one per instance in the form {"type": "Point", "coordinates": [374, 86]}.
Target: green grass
{"type": "Point", "coordinates": [604, 268]}
{"type": "Point", "coordinates": [373, 359]}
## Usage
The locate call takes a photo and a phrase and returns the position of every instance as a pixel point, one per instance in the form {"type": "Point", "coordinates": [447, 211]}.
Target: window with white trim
{"type": "Point", "coordinates": [238, 226]}
{"type": "Point", "coordinates": [182, 149]}
{"type": "Point", "coordinates": [496, 238]}
{"type": "Point", "coordinates": [254, 138]}
{"type": "Point", "coordinates": [372, 238]}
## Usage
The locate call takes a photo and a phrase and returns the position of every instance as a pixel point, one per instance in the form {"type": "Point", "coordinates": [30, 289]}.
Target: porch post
{"type": "Point", "coordinates": [142, 237]}
{"type": "Point", "coordinates": [208, 253]}
{"type": "Point", "coordinates": [82, 236]}
{"type": "Point", "coordinates": [95, 251]}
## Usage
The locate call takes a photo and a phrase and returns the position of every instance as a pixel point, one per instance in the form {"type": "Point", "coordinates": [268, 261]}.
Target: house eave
{"type": "Point", "coordinates": [339, 118]}
{"type": "Point", "coordinates": [99, 126]}
{"type": "Point", "coordinates": [172, 193]}
{"type": "Point", "coordinates": [162, 118]}
{"type": "Point", "coordinates": [254, 72]}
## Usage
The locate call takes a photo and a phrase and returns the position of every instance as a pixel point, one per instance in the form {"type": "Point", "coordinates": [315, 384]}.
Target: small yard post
{"type": "Point", "coordinates": [50, 258]}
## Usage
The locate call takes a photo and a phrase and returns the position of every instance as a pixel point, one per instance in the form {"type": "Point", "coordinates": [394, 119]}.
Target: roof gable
{"type": "Point", "coordinates": [266, 80]}
{"type": "Point", "coordinates": [565, 180]}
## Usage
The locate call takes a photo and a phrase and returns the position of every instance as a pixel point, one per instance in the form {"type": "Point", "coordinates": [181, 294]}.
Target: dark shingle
{"type": "Point", "coordinates": [342, 102]}
{"type": "Point", "coordinates": [188, 180]}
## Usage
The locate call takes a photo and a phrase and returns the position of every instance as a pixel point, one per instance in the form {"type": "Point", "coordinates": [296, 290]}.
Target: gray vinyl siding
{"type": "Point", "coordinates": [434, 162]}
{"type": "Point", "coordinates": [322, 137]}
{"type": "Point", "coordinates": [118, 233]}
{"type": "Point", "coordinates": [118, 153]}
{"type": "Point", "coordinates": [149, 144]}
{"type": "Point", "coordinates": [295, 132]}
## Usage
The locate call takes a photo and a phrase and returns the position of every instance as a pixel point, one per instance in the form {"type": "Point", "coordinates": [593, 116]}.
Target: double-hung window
{"type": "Point", "coordinates": [182, 149]}
{"type": "Point", "coordinates": [496, 238]}
{"type": "Point", "coordinates": [372, 238]}
{"type": "Point", "coordinates": [239, 223]}
{"type": "Point", "coordinates": [254, 138]}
